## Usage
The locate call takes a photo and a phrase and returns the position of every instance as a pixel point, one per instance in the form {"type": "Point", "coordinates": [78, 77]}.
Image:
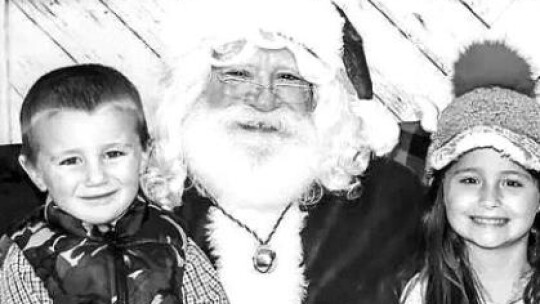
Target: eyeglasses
{"type": "Point", "coordinates": [288, 88]}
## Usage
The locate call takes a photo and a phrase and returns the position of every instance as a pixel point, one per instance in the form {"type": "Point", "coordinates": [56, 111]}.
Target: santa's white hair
{"type": "Point", "coordinates": [348, 129]}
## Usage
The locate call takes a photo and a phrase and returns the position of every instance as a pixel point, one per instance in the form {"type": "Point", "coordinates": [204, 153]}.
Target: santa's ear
{"type": "Point", "coordinates": [354, 59]}
{"type": "Point", "coordinates": [33, 172]}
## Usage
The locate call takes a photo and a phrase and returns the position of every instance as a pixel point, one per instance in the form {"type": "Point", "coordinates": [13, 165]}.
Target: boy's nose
{"type": "Point", "coordinates": [95, 173]}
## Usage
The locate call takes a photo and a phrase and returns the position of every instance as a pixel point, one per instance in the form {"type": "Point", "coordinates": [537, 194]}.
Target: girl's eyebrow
{"type": "Point", "coordinates": [504, 172]}
{"type": "Point", "coordinates": [518, 173]}
{"type": "Point", "coordinates": [462, 170]}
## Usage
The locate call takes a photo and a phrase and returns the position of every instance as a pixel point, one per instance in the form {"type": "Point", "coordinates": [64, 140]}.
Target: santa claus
{"type": "Point", "coordinates": [268, 145]}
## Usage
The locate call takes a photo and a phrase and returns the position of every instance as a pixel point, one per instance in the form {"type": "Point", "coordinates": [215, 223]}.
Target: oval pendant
{"type": "Point", "coordinates": [264, 258]}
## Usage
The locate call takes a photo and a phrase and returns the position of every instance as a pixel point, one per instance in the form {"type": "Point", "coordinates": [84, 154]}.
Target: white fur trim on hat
{"type": "Point", "coordinates": [194, 23]}
{"type": "Point", "coordinates": [519, 148]}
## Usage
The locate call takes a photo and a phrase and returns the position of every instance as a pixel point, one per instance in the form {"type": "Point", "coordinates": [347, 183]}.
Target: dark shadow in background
{"type": "Point", "coordinates": [18, 196]}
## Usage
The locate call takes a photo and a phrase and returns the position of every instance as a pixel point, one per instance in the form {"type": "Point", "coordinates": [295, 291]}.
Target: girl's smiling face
{"type": "Point", "coordinates": [490, 200]}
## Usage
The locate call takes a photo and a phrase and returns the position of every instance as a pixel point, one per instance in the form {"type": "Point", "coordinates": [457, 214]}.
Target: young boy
{"type": "Point", "coordinates": [96, 239]}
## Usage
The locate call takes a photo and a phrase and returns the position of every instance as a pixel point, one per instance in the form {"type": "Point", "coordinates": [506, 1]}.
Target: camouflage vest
{"type": "Point", "coordinates": [139, 260]}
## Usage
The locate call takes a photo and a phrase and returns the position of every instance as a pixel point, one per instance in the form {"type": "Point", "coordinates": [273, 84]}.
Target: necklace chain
{"type": "Point", "coordinates": [253, 233]}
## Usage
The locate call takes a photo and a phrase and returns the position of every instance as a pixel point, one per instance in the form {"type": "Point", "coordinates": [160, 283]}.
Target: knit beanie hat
{"type": "Point", "coordinates": [494, 107]}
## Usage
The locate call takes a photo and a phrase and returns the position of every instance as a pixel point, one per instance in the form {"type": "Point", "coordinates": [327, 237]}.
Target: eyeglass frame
{"type": "Point", "coordinates": [270, 87]}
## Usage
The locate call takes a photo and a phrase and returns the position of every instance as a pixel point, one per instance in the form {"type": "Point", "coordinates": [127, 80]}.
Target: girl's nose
{"type": "Point", "coordinates": [490, 196]}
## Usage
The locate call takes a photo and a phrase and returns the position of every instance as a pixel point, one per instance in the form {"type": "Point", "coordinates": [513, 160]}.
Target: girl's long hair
{"type": "Point", "coordinates": [450, 279]}
{"type": "Point", "coordinates": [532, 290]}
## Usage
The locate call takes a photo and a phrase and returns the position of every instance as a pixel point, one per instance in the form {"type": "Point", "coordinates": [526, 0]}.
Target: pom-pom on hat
{"type": "Point", "coordinates": [494, 107]}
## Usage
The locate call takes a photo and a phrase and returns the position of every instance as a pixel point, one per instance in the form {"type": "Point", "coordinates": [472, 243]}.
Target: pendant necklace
{"type": "Point", "coordinates": [264, 258]}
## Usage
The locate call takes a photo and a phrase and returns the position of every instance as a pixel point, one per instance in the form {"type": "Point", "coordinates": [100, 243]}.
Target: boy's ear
{"type": "Point", "coordinates": [33, 172]}
{"type": "Point", "coordinates": [145, 154]}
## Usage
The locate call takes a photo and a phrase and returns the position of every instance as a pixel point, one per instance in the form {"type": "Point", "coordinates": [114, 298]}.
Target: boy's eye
{"type": "Point", "coordinates": [114, 154]}
{"type": "Point", "coordinates": [70, 161]}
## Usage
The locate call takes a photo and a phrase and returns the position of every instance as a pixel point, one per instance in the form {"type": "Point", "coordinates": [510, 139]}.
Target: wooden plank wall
{"type": "Point", "coordinates": [48, 34]}
{"type": "Point", "coordinates": [410, 44]}
{"type": "Point", "coordinates": [5, 117]}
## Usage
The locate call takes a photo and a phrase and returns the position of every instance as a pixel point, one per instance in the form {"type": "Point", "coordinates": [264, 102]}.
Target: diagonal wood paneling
{"type": "Point", "coordinates": [143, 19]}
{"type": "Point", "coordinates": [388, 46]}
{"type": "Point", "coordinates": [488, 11]}
{"type": "Point", "coordinates": [86, 30]}
{"type": "Point", "coordinates": [519, 25]}
{"type": "Point", "coordinates": [410, 44]}
{"type": "Point", "coordinates": [32, 54]}
{"type": "Point", "coordinates": [5, 124]}
{"type": "Point", "coordinates": [50, 34]}
{"type": "Point", "coordinates": [436, 28]}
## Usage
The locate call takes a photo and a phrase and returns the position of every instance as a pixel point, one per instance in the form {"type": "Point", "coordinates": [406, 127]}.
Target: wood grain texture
{"type": "Point", "coordinates": [5, 121]}
{"type": "Point", "coordinates": [389, 46]}
{"type": "Point", "coordinates": [143, 19]}
{"type": "Point", "coordinates": [410, 44]}
{"type": "Point", "coordinates": [488, 11]}
{"type": "Point", "coordinates": [50, 34]}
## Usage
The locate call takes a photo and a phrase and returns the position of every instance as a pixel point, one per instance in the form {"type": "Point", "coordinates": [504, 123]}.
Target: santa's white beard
{"type": "Point", "coordinates": [248, 159]}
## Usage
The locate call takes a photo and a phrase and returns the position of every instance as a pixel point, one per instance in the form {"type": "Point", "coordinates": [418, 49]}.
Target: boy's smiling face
{"type": "Point", "coordinates": [89, 162]}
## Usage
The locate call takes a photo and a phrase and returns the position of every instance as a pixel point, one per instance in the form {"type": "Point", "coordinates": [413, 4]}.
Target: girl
{"type": "Point", "coordinates": [483, 166]}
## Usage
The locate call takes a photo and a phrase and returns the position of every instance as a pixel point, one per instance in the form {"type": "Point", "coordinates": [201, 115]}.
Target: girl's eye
{"type": "Point", "coordinates": [70, 161]}
{"type": "Point", "coordinates": [114, 154]}
{"type": "Point", "coordinates": [512, 183]}
{"type": "Point", "coordinates": [468, 180]}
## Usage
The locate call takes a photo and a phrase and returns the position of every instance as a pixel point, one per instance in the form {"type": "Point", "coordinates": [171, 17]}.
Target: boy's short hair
{"type": "Point", "coordinates": [80, 87]}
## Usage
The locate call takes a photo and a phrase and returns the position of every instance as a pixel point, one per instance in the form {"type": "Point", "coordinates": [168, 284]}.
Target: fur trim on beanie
{"type": "Point", "coordinates": [495, 108]}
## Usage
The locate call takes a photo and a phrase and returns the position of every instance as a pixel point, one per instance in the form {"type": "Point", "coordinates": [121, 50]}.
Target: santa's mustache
{"type": "Point", "coordinates": [252, 154]}
{"type": "Point", "coordinates": [281, 122]}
